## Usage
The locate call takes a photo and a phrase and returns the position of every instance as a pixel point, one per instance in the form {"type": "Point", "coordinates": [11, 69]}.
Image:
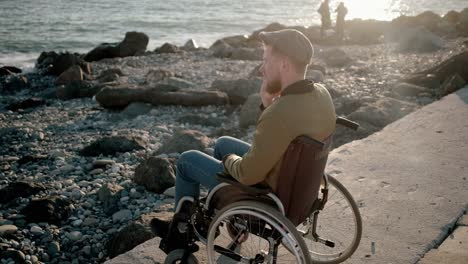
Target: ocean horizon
{"type": "Point", "coordinates": [29, 27]}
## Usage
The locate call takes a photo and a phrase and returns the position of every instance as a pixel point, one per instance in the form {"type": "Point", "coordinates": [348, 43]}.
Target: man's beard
{"type": "Point", "coordinates": [274, 87]}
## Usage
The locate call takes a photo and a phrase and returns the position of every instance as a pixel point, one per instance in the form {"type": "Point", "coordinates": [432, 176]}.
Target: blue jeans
{"type": "Point", "coordinates": [195, 167]}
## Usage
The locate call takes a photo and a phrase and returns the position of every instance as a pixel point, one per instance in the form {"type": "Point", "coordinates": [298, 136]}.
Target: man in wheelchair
{"type": "Point", "coordinates": [291, 107]}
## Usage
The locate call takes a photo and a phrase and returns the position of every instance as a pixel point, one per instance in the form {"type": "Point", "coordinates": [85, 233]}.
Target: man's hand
{"type": "Point", "coordinates": [267, 98]}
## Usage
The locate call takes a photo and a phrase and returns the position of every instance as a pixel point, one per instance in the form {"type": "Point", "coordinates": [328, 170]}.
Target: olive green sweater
{"type": "Point", "coordinates": [304, 108]}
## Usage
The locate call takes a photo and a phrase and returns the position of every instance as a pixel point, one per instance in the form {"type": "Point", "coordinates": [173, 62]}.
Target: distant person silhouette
{"type": "Point", "coordinates": [324, 11]}
{"type": "Point", "coordinates": [341, 11]}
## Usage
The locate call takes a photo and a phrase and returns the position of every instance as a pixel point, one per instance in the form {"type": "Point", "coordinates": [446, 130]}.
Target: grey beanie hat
{"type": "Point", "coordinates": [291, 43]}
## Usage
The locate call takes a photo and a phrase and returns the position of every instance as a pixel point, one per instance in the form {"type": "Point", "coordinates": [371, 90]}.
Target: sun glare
{"type": "Point", "coordinates": [372, 9]}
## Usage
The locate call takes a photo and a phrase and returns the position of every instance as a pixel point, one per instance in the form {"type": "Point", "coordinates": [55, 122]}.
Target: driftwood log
{"type": "Point", "coordinates": [120, 97]}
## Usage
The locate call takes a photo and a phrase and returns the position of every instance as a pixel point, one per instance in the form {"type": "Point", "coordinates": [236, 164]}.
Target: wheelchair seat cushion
{"type": "Point", "coordinates": [234, 193]}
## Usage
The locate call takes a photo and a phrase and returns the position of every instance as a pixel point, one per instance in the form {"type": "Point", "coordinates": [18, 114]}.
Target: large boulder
{"type": "Point", "coordinates": [113, 144]}
{"type": "Point", "coordinates": [156, 174]}
{"type": "Point", "coordinates": [167, 48]}
{"type": "Point", "coordinates": [237, 90]}
{"type": "Point", "coordinates": [419, 40]}
{"type": "Point", "coordinates": [129, 237]}
{"type": "Point", "coordinates": [183, 140]}
{"type": "Point", "coordinates": [56, 63]}
{"type": "Point", "coordinates": [74, 73]}
{"type": "Point", "coordinates": [19, 189]}
{"type": "Point", "coordinates": [383, 112]}
{"type": "Point", "coordinates": [133, 44]}
{"type": "Point", "coordinates": [52, 210]}
{"type": "Point", "coordinates": [250, 111]}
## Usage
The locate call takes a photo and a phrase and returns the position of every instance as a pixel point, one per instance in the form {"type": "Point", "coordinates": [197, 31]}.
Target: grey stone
{"type": "Point", "coordinates": [155, 173]}
{"type": "Point", "coordinates": [109, 195]}
{"type": "Point", "coordinates": [136, 109]}
{"type": "Point", "coordinates": [183, 140]}
{"type": "Point", "coordinates": [7, 230]}
{"type": "Point", "coordinates": [122, 215]}
{"type": "Point", "coordinates": [74, 235]}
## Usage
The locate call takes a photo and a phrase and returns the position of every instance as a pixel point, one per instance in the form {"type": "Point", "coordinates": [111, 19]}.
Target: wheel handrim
{"type": "Point", "coordinates": [259, 215]}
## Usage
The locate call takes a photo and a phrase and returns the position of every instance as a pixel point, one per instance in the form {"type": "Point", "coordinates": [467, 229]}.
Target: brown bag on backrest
{"type": "Point", "coordinates": [300, 176]}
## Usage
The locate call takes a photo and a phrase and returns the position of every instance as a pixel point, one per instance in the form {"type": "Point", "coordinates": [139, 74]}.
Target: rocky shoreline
{"type": "Point", "coordinates": [88, 141]}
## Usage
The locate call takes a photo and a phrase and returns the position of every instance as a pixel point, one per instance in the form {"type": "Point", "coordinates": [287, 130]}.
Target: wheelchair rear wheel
{"type": "Point", "coordinates": [338, 227]}
{"type": "Point", "coordinates": [266, 236]}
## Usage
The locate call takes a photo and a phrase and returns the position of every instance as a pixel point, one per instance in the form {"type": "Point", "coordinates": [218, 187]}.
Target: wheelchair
{"type": "Point", "coordinates": [311, 218]}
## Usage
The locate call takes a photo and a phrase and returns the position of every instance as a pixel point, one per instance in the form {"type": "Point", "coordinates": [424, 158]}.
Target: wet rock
{"type": "Point", "coordinates": [237, 90]}
{"type": "Point", "coordinates": [134, 43]}
{"type": "Point", "coordinates": [112, 145]}
{"type": "Point", "coordinates": [13, 84]}
{"type": "Point", "coordinates": [74, 73]}
{"type": "Point", "coordinates": [19, 189]}
{"type": "Point", "coordinates": [57, 63]}
{"type": "Point", "coordinates": [167, 48]}
{"type": "Point", "coordinates": [9, 70]}
{"type": "Point", "coordinates": [156, 174]}
{"type": "Point", "coordinates": [52, 210]}
{"type": "Point", "coordinates": [128, 238]}
{"type": "Point", "coordinates": [109, 195]}
{"type": "Point", "coordinates": [250, 111]}
{"type": "Point", "coordinates": [183, 140]}
{"type": "Point", "coordinates": [25, 104]}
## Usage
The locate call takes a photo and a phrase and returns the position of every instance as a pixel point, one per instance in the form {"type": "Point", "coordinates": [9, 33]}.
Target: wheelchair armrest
{"type": "Point", "coordinates": [257, 189]}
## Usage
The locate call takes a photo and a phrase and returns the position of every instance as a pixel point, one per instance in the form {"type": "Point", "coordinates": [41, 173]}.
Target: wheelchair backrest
{"type": "Point", "coordinates": [301, 173]}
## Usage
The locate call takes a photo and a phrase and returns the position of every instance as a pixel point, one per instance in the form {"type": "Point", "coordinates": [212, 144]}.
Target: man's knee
{"type": "Point", "coordinates": [188, 156]}
{"type": "Point", "coordinates": [223, 140]}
